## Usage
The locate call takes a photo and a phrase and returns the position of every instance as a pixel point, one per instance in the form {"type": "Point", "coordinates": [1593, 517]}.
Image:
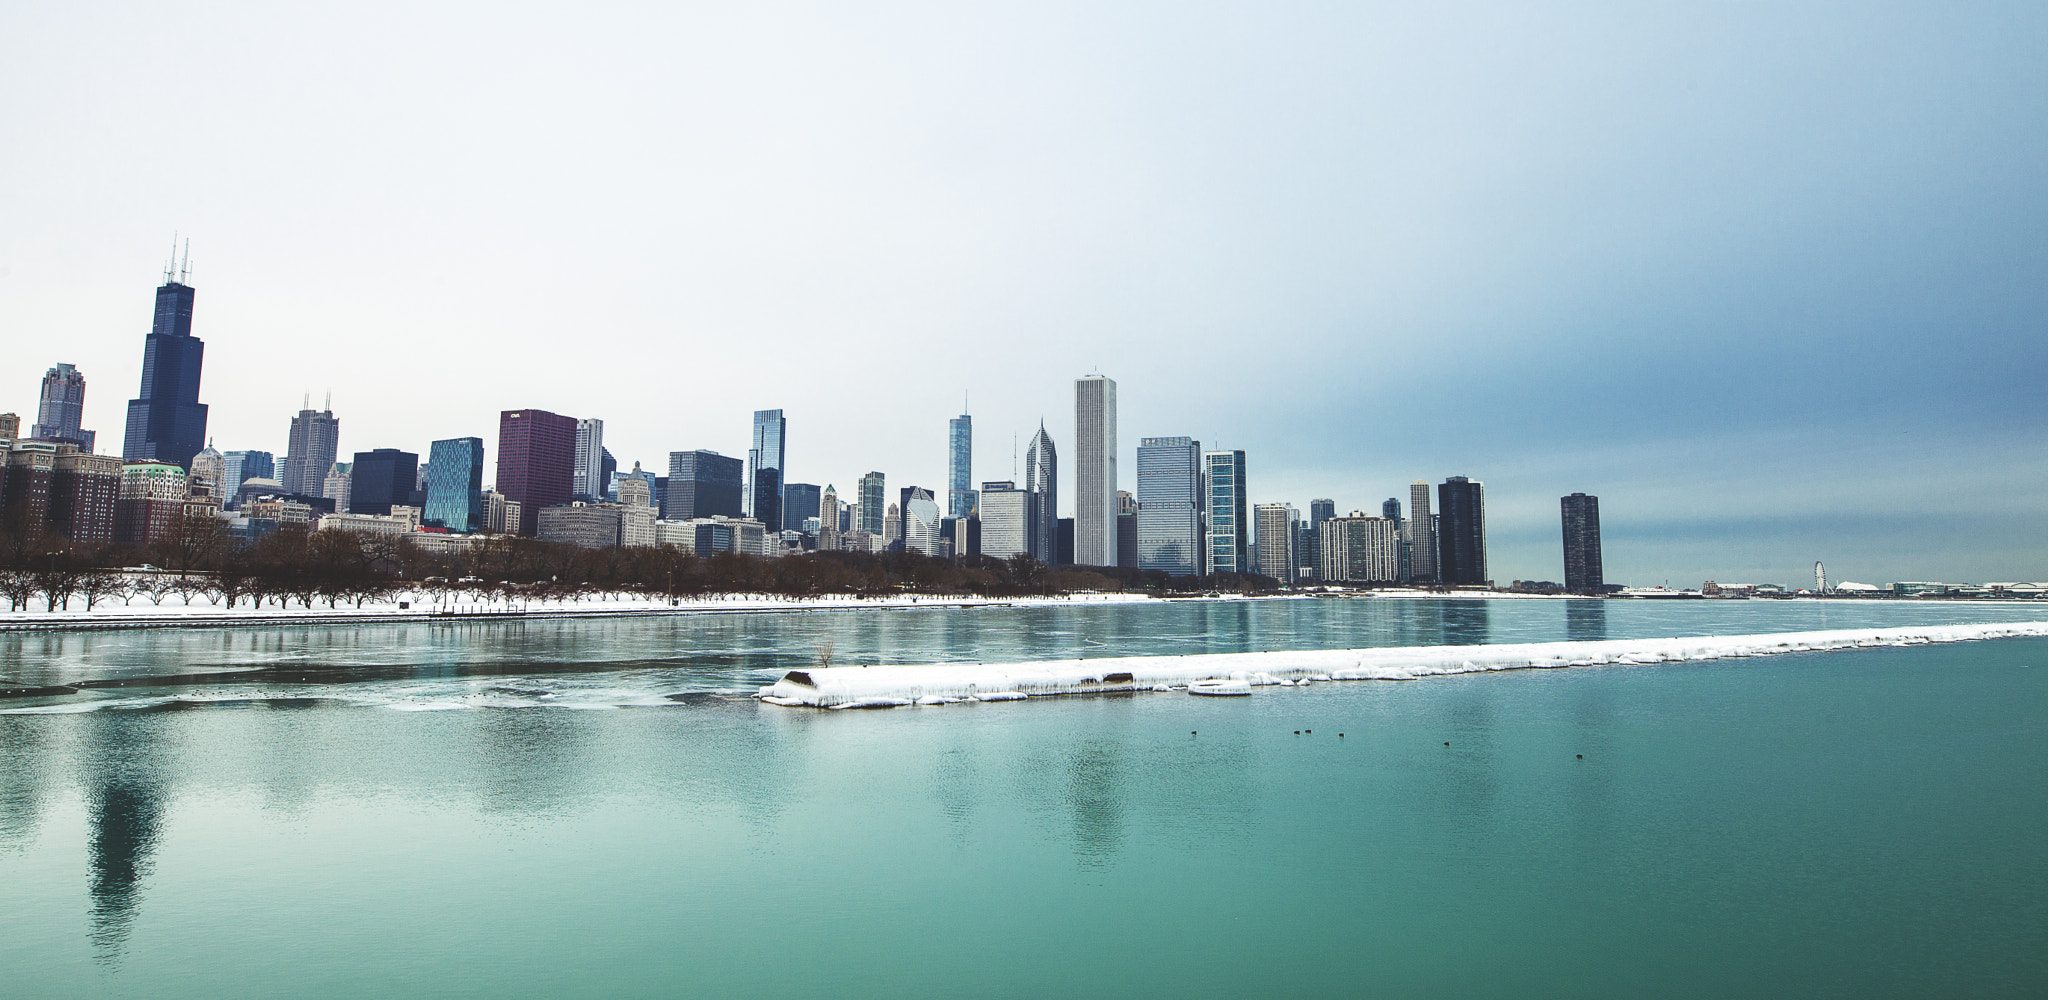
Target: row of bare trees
{"type": "Point", "coordinates": [202, 559]}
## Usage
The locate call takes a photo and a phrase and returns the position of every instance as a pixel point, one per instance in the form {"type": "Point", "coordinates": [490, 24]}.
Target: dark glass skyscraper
{"type": "Point", "coordinates": [1582, 570]}
{"type": "Point", "coordinates": [378, 479]}
{"type": "Point", "coordinates": [536, 458]}
{"type": "Point", "coordinates": [701, 484]}
{"type": "Point", "coordinates": [764, 461]}
{"type": "Point", "coordinates": [800, 501]}
{"type": "Point", "coordinates": [1461, 532]}
{"type": "Point", "coordinates": [455, 484]}
{"type": "Point", "coordinates": [167, 422]}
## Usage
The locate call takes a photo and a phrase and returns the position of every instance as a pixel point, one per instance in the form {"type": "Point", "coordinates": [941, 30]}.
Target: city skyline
{"type": "Point", "coordinates": [1760, 342]}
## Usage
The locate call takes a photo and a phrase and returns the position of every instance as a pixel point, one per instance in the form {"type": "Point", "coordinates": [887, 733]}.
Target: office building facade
{"type": "Point", "coordinates": [1223, 499]}
{"type": "Point", "coordinates": [455, 484]}
{"type": "Point", "coordinates": [1169, 506]}
{"type": "Point", "coordinates": [536, 462]}
{"type": "Point", "coordinates": [1582, 570]}
{"type": "Point", "coordinates": [1009, 521]}
{"type": "Point", "coordinates": [702, 484]}
{"type": "Point", "coordinates": [311, 450]}
{"type": "Point", "coordinates": [587, 477]}
{"type": "Point", "coordinates": [764, 468]}
{"type": "Point", "coordinates": [874, 501]}
{"type": "Point", "coordinates": [800, 503]}
{"type": "Point", "coordinates": [61, 407]}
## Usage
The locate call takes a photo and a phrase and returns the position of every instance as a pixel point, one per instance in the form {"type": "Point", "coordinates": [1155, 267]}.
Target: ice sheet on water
{"type": "Point", "coordinates": [881, 686]}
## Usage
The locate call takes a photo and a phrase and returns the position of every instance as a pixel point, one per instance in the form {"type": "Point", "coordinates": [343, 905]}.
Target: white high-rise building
{"type": "Point", "coordinates": [1359, 549]}
{"type": "Point", "coordinates": [1421, 534]}
{"type": "Point", "coordinates": [1008, 521]}
{"type": "Point", "coordinates": [586, 477]}
{"type": "Point", "coordinates": [1095, 479]}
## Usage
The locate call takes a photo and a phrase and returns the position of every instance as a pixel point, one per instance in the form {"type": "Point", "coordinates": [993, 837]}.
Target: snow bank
{"type": "Point", "coordinates": [934, 684]}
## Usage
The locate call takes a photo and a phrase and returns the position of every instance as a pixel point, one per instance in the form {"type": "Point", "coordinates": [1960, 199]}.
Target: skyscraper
{"type": "Point", "coordinates": [1229, 527]}
{"type": "Point", "coordinates": [311, 449]}
{"type": "Point", "coordinates": [1421, 534]}
{"type": "Point", "coordinates": [455, 484]}
{"type": "Point", "coordinates": [1169, 506]}
{"type": "Point", "coordinates": [920, 515]}
{"type": "Point", "coordinates": [1095, 478]}
{"type": "Point", "coordinates": [873, 505]}
{"type": "Point", "coordinates": [1359, 549]}
{"type": "Point", "coordinates": [1042, 477]}
{"type": "Point", "coordinates": [586, 480]}
{"type": "Point", "coordinates": [960, 466]}
{"type": "Point", "coordinates": [1390, 509]}
{"type": "Point", "coordinates": [61, 408]}
{"type": "Point", "coordinates": [238, 467]}
{"type": "Point", "coordinates": [1461, 532]}
{"type": "Point", "coordinates": [380, 478]}
{"type": "Point", "coordinates": [1277, 523]}
{"type": "Point", "coordinates": [764, 468]}
{"type": "Point", "coordinates": [1321, 510]}
{"type": "Point", "coordinates": [702, 484]}
{"type": "Point", "coordinates": [1009, 521]}
{"type": "Point", "coordinates": [1582, 570]}
{"type": "Point", "coordinates": [536, 462]}
{"type": "Point", "coordinates": [167, 422]}
{"type": "Point", "coordinates": [800, 501]}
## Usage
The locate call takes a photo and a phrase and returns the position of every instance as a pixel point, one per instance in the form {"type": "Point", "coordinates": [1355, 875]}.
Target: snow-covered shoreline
{"type": "Point", "coordinates": [939, 684]}
{"type": "Point", "coordinates": [175, 612]}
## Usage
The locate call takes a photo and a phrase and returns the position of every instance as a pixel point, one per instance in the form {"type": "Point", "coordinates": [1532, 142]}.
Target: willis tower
{"type": "Point", "coordinates": [168, 422]}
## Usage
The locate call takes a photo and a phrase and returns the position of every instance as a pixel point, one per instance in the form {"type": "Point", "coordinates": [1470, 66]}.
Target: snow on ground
{"type": "Point", "coordinates": [198, 610]}
{"type": "Point", "coordinates": [893, 686]}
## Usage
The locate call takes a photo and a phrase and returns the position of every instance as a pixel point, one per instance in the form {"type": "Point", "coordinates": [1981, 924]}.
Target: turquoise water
{"type": "Point", "coordinates": [1867, 823]}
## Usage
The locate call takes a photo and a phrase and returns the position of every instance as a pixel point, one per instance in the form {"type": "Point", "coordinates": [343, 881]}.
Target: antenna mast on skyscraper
{"type": "Point", "coordinates": [185, 265]}
{"type": "Point", "coordinates": [171, 265]}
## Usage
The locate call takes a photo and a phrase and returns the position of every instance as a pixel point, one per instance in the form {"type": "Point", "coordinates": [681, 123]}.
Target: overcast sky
{"type": "Point", "coordinates": [1769, 278]}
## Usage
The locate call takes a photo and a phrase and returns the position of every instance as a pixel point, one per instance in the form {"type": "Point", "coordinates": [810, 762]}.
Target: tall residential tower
{"type": "Point", "coordinates": [1582, 570]}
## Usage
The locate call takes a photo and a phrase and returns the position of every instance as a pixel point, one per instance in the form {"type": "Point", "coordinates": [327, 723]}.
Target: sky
{"type": "Point", "coordinates": [1770, 279]}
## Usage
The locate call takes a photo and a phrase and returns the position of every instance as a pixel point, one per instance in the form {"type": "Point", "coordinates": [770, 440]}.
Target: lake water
{"type": "Point", "coordinates": [248, 812]}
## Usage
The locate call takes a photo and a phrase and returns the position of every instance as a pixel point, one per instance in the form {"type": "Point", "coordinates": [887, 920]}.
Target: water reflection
{"type": "Point", "coordinates": [125, 794]}
{"type": "Point", "coordinates": [1585, 620]}
{"type": "Point", "coordinates": [23, 760]}
{"type": "Point", "coordinates": [1095, 794]}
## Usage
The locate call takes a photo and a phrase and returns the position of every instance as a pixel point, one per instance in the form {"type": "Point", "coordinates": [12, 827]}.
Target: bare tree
{"type": "Point", "coordinates": [99, 585]}
{"type": "Point", "coordinates": [19, 586]}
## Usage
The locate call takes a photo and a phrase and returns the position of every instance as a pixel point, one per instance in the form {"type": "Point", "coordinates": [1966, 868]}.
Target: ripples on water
{"type": "Point", "coordinates": [252, 799]}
